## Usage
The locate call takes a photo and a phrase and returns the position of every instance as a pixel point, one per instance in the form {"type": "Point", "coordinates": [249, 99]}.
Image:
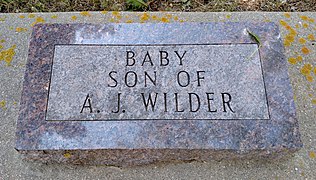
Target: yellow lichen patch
{"type": "Point", "coordinates": [31, 16]}
{"type": "Point", "coordinates": [73, 18]}
{"type": "Point", "coordinates": [292, 32]}
{"type": "Point", "coordinates": [306, 69]}
{"type": "Point", "coordinates": [169, 16]}
{"type": "Point", "coordinates": [22, 16]}
{"type": "Point", "coordinates": [38, 20]}
{"type": "Point", "coordinates": [287, 15]}
{"type": "Point", "coordinates": [313, 101]}
{"type": "Point", "coordinates": [302, 40]}
{"type": "Point", "coordinates": [292, 60]}
{"type": "Point", "coordinates": [2, 104]}
{"type": "Point", "coordinates": [165, 20]}
{"type": "Point", "coordinates": [297, 26]}
{"type": "Point", "coordinates": [305, 18]}
{"type": "Point", "coordinates": [308, 66]}
{"type": "Point", "coordinates": [299, 58]}
{"type": "Point", "coordinates": [176, 18]}
{"type": "Point", "coordinates": [228, 16]}
{"type": "Point", "coordinates": [104, 12]}
{"type": "Point", "coordinates": [311, 20]}
{"type": "Point", "coordinates": [311, 37]}
{"type": "Point", "coordinates": [305, 50]}
{"type": "Point", "coordinates": [7, 55]}
{"type": "Point", "coordinates": [310, 95]}
{"type": "Point", "coordinates": [287, 27]}
{"type": "Point", "coordinates": [20, 29]}
{"type": "Point", "coordinates": [305, 25]}
{"type": "Point", "coordinates": [315, 70]}
{"type": "Point", "coordinates": [287, 43]}
{"type": "Point", "coordinates": [85, 13]}
{"type": "Point", "coordinates": [283, 23]}
{"type": "Point", "coordinates": [54, 17]}
{"type": "Point", "coordinates": [290, 37]}
{"type": "Point", "coordinates": [309, 78]}
{"type": "Point", "coordinates": [117, 15]}
{"type": "Point", "coordinates": [312, 154]}
{"type": "Point", "coordinates": [181, 21]}
{"type": "Point", "coordinates": [2, 41]}
{"type": "Point", "coordinates": [144, 17]}
{"type": "Point", "coordinates": [67, 155]}
{"type": "Point", "coordinates": [154, 17]}
{"type": "Point", "coordinates": [129, 21]}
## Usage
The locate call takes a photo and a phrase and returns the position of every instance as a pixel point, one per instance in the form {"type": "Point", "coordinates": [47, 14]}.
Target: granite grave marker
{"type": "Point", "coordinates": [123, 94]}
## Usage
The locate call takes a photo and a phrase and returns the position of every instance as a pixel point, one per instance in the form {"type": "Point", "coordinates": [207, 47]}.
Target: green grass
{"type": "Point", "coordinates": [15, 6]}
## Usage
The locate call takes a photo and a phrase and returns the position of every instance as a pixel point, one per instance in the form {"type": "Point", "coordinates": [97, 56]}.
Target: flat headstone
{"type": "Point", "coordinates": [136, 93]}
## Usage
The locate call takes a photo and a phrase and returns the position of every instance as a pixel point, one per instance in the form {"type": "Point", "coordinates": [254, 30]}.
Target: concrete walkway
{"type": "Point", "coordinates": [298, 31]}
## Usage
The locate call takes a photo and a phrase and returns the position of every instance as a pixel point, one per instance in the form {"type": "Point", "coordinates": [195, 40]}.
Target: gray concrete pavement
{"type": "Point", "coordinates": [15, 31]}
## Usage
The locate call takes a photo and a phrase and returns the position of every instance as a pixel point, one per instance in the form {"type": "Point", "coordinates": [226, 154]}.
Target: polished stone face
{"type": "Point", "coordinates": [150, 82]}
{"type": "Point", "coordinates": [81, 94]}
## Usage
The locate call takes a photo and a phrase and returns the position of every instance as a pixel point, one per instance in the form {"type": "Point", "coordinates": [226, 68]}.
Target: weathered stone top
{"type": "Point", "coordinates": [276, 128]}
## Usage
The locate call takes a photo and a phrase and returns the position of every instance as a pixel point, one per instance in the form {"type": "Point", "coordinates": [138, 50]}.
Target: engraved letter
{"type": "Point", "coordinates": [118, 103]}
{"type": "Point", "coordinates": [165, 57]}
{"type": "Point", "coordinates": [180, 57]}
{"type": "Point", "coordinates": [149, 101]}
{"type": "Point", "coordinates": [110, 74]}
{"type": "Point", "coordinates": [226, 102]}
{"type": "Point", "coordinates": [197, 100]}
{"type": "Point", "coordinates": [165, 101]}
{"type": "Point", "coordinates": [199, 77]}
{"type": "Point", "coordinates": [128, 58]}
{"type": "Point", "coordinates": [87, 106]}
{"type": "Point", "coordinates": [177, 104]}
{"type": "Point", "coordinates": [188, 79]}
{"type": "Point", "coordinates": [147, 56]}
{"type": "Point", "coordinates": [126, 79]}
{"type": "Point", "coordinates": [209, 103]}
{"type": "Point", "coordinates": [152, 80]}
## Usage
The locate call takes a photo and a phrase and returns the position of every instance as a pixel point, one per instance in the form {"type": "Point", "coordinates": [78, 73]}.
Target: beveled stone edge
{"type": "Point", "coordinates": [129, 157]}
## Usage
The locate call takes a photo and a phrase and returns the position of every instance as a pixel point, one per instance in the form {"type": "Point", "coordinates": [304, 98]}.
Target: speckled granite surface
{"type": "Point", "coordinates": [192, 87]}
{"type": "Point", "coordinates": [139, 142]}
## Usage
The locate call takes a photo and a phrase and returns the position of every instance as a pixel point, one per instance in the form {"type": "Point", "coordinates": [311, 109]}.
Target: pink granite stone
{"type": "Point", "coordinates": [261, 124]}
